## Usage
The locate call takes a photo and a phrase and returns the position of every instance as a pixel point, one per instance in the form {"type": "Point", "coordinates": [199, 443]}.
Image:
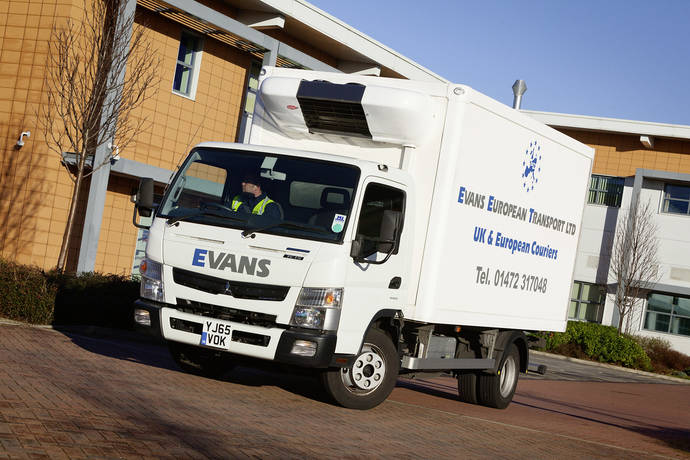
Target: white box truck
{"type": "Point", "coordinates": [371, 227]}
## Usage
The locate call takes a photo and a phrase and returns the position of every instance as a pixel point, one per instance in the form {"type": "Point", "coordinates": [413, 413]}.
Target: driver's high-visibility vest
{"type": "Point", "coordinates": [258, 209]}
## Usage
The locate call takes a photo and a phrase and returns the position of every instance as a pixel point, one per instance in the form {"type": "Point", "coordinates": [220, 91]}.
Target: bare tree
{"type": "Point", "coordinates": [634, 261]}
{"type": "Point", "coordinates": [100, 69]}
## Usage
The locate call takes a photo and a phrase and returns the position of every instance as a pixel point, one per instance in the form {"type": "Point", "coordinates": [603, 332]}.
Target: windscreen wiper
{"type": "Point", "coordinates": [250, 232]}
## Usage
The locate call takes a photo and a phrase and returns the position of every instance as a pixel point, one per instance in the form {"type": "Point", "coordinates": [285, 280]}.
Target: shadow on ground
{"type": "Point", "coordinates": [149, 352]}
{"type": "Point", "coordinates": [672, 437]}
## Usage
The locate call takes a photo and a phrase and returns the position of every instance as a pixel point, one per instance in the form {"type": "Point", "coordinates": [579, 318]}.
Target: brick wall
{"type": "Point", "coordinates": [174, 124]}
{"type": "Point", "coordinates": [34, 189]}
{"type": "Point", "coordinates": [620, 154]}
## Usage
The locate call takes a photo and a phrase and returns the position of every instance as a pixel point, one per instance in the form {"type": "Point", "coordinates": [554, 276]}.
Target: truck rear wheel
{"type": "Point", "coordinates": [498, 390]}
{"type": "Point", "coordinates": [200, 361]}
{"type": "Point", "coordinates": [467, 387]}
{"type": "Point", "coordinates": [370, 379]}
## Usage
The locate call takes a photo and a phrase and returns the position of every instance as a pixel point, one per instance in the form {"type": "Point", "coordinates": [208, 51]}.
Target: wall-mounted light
{"type": "Point", "coordinates": [20, 142]}
{"type": "Point", "coordinates": [647, 141]}
{"type": "Point", "coordinates": [114, 152]}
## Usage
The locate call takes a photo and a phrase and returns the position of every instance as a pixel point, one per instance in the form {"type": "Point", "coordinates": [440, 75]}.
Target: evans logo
{"type": "Point", "coordinates": [224, 260]}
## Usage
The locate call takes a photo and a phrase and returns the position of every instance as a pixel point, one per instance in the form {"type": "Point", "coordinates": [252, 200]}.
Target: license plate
{"type": "Point", "coordinates": [215, 334]}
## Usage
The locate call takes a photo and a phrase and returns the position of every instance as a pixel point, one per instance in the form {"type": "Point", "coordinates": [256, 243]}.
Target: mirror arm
{"type": "Point", "coordinates": [134, 220]}
{"type": "Point", "coordinates": [378, 262]}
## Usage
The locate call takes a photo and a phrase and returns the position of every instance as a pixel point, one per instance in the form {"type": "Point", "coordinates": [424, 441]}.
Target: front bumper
{"type": "Point", "coordinates": [274, 343]}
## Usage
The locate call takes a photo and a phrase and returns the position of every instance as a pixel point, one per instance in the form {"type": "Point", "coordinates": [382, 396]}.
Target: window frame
{"type": "Point", "coordinates": [194, 67]}
{"type": "Point", "coordinates": [666, 198]}
{"type": "Point", "coordinates": [671, 315]}
{"type": "Point", "coordinates": [580, 302]}
{"type": "Point", "coordinates": [615, 182]}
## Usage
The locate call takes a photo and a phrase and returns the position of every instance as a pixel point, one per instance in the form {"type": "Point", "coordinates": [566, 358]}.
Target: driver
{"type": "Point", "coordinates": [253, 200]}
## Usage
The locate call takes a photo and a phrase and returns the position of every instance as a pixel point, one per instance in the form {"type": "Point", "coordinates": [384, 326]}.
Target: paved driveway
{"type": "Point", "coordinates": [66, 395]}
{"type": "Point", "coordinates": [559, 368]}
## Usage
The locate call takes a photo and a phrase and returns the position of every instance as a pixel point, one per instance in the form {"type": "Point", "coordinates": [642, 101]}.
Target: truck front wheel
{"type": "Point", "coordinates": [370, 379]}
{"type": "Point", "coordinates": [498, 390]}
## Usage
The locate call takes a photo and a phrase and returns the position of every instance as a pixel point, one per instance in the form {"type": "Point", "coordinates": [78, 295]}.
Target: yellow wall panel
{"type": "Point", "coordinates": [118, 235]}
{"type": "Point", "coordinates": [621, 154]}
{"type": "Point", "coordinates": [30, 174]}
{"type": "Point", "coordinates": [175, 123]}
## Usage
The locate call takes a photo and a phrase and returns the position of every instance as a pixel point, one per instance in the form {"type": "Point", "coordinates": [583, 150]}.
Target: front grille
{"type": "Point", "coordinates": [251, 338]}
{"type": "Point", "coordinates": [186, 326]}
{"type": "Point", "coordinates": [239, 290]}
{"type": "Point", "coordinates": [225, 313]}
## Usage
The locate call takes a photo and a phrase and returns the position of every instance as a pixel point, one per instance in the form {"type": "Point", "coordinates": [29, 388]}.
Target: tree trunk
{"type": "Point", "coordinates": [62, 258]}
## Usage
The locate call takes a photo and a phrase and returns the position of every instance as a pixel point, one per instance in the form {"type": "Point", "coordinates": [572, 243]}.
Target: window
{"type": "Point", "coordinates": [605, 190]}
{"type": "Point", "coordinates": [587, 302]}
{"type": "Point", "coordinates": [668, 313]}
{"type": "Point", "coordinates": [203, 189]}
{"type": "Point", "coordinates": [676, 199]}
{"type": "Point", "coordinates": [203, 184]}
{"type": "Point", "coordinates": [311, 195]}
{"type": "Point", "coordinates": [188, 61]}
{"type": "Point", "coordinates": [379, 201]}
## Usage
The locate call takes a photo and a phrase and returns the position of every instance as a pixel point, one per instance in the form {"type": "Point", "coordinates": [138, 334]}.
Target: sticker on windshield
{"type": "Point", "coordinates": [338, 223]}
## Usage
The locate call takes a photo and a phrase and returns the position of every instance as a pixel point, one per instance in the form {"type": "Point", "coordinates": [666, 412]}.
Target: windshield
{"type": "Point", "coordinates": [265, 193]}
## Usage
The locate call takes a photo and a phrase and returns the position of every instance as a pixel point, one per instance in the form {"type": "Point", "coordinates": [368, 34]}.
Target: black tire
{"type": "Point", "coordinates": [372, 376]}
{"type": "Point", "coordinates": [498, 390]}
{"type": "Point", "coordinates": [467, 387]}
{"type": "Point", "coordinates": [200, 361]}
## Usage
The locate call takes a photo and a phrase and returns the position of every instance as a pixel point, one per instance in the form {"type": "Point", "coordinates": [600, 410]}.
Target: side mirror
{"type": "Point", "coordinates": [386, 242]}
{"type": "Point", "coordinates": [356, 250]}
{"type": "Point", "coordinates": [390, 226]}
{"type": "Point", "coordinates": [144, 202]}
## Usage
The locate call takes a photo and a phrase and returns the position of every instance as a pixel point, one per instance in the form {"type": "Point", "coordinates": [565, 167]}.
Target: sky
{"type": "Point", "coordinates": [627, 59]}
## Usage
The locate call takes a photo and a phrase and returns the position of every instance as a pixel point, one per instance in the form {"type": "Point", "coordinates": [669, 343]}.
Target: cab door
{"type": "Point", "coordinates": [379, 265]}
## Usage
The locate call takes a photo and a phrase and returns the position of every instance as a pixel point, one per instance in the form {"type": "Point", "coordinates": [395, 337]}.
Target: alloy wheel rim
{"type": "Point", "coordinates": [508, 373]}
{"type": "Point", "coordinates": [367, 372]}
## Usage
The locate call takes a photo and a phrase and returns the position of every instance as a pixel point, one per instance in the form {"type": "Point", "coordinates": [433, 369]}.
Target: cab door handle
{"type": "Point", "coordinates": [395, 283]}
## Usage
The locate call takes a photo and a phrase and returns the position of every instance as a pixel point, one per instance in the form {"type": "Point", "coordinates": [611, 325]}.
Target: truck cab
{"type": "Point", "coordinates": [292, 288]}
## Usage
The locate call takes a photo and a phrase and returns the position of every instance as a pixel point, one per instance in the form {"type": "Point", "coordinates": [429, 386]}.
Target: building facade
{"type": "Point", "coordinates": [635, 162]}
{"type": "Point", "coordinates": [211, 53]}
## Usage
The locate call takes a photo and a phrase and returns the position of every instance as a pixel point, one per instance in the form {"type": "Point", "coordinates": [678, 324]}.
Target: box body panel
{"type": "Point", "coordinates": [505, 220]}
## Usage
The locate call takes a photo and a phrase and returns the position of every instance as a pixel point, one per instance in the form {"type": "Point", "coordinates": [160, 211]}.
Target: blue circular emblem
{"type": "Point", "coordinates": [531, 166]}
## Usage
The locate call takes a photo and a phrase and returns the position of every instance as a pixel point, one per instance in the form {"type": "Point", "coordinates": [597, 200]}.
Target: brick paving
{"type": "Point", "coordinates": [70, 396]}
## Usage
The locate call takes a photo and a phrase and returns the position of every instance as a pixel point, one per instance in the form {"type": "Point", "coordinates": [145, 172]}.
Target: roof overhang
{"type": "Point", "coordinates": [611, 125]}
{"type": "Point", "coordinates": [337, 34]}
{"type": "Point", "coordinates": [263, 28]}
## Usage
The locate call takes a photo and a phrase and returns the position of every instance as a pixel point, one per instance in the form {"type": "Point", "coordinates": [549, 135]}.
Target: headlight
{"type": "Point", "coordinates": [151, 280]}
{"type": "Point", "coordinates": [318, 308]}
